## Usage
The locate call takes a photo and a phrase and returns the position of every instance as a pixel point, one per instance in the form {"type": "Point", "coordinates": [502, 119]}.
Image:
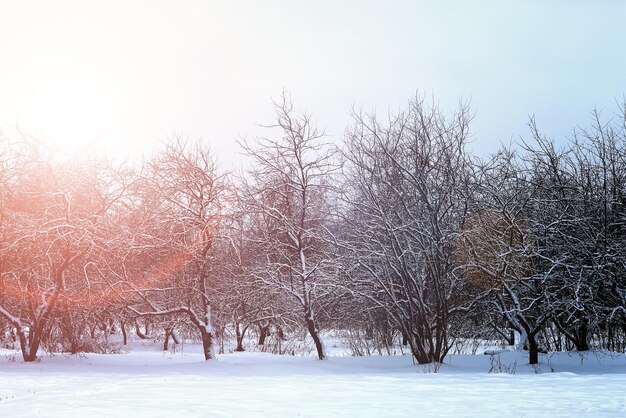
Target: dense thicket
{"type": "Point", "coordinates": [398, 235]}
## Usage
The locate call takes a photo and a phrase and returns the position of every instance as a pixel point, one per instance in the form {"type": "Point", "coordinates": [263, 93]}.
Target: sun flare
{"type": "Point", "coordinates": [70, 116]}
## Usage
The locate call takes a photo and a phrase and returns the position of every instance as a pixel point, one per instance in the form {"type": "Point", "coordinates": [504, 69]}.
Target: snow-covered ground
{"type": "Point", "coordinates": [149, 383]}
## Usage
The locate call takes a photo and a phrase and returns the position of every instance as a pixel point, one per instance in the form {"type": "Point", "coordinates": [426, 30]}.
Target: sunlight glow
{"type": "Point", "coordinates": [71, 117]}
{"type": "Point", "coordinates": [72, 113]}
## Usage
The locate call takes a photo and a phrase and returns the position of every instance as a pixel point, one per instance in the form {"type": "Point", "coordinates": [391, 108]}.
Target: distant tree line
{"type": "Point", "coordinates": [397, 235]}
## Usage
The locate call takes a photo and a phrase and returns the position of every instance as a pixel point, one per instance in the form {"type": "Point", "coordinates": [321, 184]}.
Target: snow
{"type": "Point", "coordinates": [149, 383]}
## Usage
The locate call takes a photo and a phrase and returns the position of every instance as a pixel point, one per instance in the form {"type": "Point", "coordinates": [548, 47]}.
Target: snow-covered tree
{"type": "Point", "coordinates": [178, 238]}
{"type": "Point", "coordinates": [499, 249]}
{"type": "Point", "coordinates": [284, 193]}
{"type": "Point", "coordinates": [55, 220]}
{"type": "Point", "coordinates": [406, 193]}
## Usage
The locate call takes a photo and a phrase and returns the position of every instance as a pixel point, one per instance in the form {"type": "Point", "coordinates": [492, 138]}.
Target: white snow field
{"type": "Point", "coordinates": [149, 383]}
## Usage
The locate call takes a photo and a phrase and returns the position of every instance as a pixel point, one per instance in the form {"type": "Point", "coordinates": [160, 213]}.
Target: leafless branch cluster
{"type": "Point", "coordinates": [397, 236]}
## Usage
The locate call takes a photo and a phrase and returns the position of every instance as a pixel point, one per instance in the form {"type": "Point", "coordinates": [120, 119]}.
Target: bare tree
{"type": "Point", "coordinates": [406, 194]}
{"type": "Point", "coordinates": [285, 196]}
{"type": "Point", "coordinates": [498, 248]}
{"type": "Point", "coordinates": [543, 238]}
{"type": "Point", "coordinates": [53, 223]}
{"type": "Point", "coordinates": [182, 206]}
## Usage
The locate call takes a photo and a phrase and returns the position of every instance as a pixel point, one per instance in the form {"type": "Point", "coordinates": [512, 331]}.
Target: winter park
{"type": "Point", "coordinates": [329, 209]}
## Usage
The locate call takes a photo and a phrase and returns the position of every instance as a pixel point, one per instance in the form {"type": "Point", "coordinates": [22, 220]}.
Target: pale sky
{"type": "Point", "coordinates": [127, 74]}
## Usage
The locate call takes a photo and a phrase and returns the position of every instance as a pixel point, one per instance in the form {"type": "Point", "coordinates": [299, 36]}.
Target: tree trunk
{"type": "Point", "coordinates": [139, 333]}
{"type": "Point", "coordinates": [264, 331]}
{"type": "Point", "coordinates": [582, 341]}
{"type": "Point", "coordinates": [421, 353]}
{"type": "Point", "coordinates": [280, 333]}
{"type": "Point", "coordinates": [533, 349]}
{"type": "Point", "coordinates": [239, 335]}
{"type": "Point", "coordinates": [124, 334]}
{"type": "Point", "coordinates": [166, 340]}
{"type": "Point", "coordinates": [29, 344]}
{"type": "Point", "coordinates": [579, 335]}
{"type": "Point", "coordinates": [221, 335]}
{"type": "Point", "coordinates": [207, 344]}
{"type": "Point", "coordinates": [314, 334]}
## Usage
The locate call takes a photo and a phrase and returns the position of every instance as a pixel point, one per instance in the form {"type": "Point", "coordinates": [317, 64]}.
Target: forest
{"type": "Point", "coordinates": [396, 233]}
